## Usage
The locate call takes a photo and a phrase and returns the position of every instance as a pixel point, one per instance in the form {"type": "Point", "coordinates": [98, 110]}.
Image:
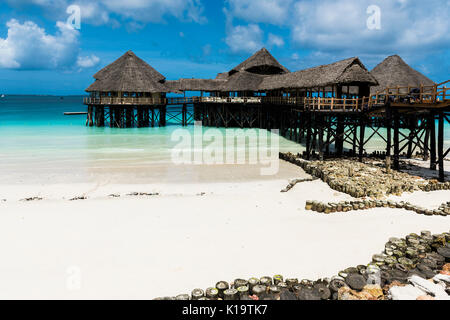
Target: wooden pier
{"type": "Point", "coordinates": [330, 108]}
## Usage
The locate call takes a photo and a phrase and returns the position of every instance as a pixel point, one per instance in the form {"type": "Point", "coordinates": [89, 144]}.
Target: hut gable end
{"type": "Point", "coordinates": [129, 73]}
{"type": "Point", "coordinates": [262, 62]}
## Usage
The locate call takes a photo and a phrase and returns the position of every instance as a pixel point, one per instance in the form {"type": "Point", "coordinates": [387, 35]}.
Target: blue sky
{"type": "Point", "coordinates": [41, 54]}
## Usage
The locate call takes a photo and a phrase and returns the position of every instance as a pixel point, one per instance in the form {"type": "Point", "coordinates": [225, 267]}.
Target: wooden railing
{"type": "Point", "coordinates": [414, 95]}
{"type": "Point", "coordinates": [410, 95]}
{"type": "Point", "coordinates": [230, 99]}
{"type": "Point", "coordinates": [123, 101]}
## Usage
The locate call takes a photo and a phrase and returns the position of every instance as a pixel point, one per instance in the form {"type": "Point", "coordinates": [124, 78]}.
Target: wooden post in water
{"type": "Point", "coordinates": [362, 130]}
{"type": "Point", "coordinates": [441, 147]}
{"type": "Point", "coordinates": [426, 142]}
{"type": "Point", "coordinates": [129, 117]}
{"type": "Point", "coordinates": [162, 116]}
{"type": "Point", "coordinates": [111, 117]}
{"type": "Point", "coordinates": [396, 141]}
{"type": "Point", "coordinates": [101, 116]}
{"type": "Point", "coordinates": [140, 117]}
{"type": "Point", "coordinates": [432, 128]}
{"type": "Point", "coordinates": [308, 135]}
{"type": "Point", "coordinates": [339, 142]}
{"type": "Point", "coordinates": [320, 124]}
{"type": "Point", "coordinates": [412, 125]}
{"type": "Point", "coordinates": [389, 133]}
{"type": "Point", "coordinates": [327, 147]}
{"type": "Point", "coordinates": [184, 115]}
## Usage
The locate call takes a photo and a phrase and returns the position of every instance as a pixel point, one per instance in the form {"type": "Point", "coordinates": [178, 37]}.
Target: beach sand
{"type": "Point", "coordinates": [194, 233]}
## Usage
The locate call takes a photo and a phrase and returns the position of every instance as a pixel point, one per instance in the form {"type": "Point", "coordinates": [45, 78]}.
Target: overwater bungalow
{"type": "Point", "coordinates": [130, 89]}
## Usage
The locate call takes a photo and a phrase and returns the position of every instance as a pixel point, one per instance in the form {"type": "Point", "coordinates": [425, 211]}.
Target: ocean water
{"type": "Point", "coordinates": [39, 144]}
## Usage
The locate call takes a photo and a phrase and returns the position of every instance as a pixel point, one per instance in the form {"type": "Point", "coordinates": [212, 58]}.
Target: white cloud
{"type": "Point", "coordinates": [27, 46]}
{"type": "Point", "coordinates": [275, 41]}
{"type": "Point", "coordinates": [405, 26]}
{"type": "Point", "coordinates": [87, 61]}
{"type": "Point", "coordinates": [340, 26]}
{"type": "Point", "coordinates": [103, 11]}
{"type": "Point", "coordinates": [261, 11]}
{"type": "Point", "coordinates": [245, 39]}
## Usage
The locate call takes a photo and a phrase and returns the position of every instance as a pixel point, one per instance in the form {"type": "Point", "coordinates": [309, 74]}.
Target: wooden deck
{"type": "Point", "coordinates": [425, 97]}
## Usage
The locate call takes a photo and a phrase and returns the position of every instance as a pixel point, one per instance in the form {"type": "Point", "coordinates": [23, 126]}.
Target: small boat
{"type": "Point", "coordinates": [2, 95]}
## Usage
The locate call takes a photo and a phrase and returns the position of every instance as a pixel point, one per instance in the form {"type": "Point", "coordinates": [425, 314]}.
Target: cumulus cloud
{"type": "Point", "coordinates": [275, 41]}
{"type": "Point", "coordinates": [27, 46]}
{"type": "Point", "coordinates": [106, 11]}
{"type": "Point", "coordinates": [87, 61]}
{"type": "Point", "coordinates": [245, 39]}
{"type": "Point", "coordinates": [339, 27]}
{"type": "Point", "coordinates": [405, 25]}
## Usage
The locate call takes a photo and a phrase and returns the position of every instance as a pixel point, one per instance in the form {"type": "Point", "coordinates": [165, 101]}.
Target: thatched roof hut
{"type": "Point", "coordinates": [345, 72]}
{"type": "Point", "coordinates": [393, 72]}
{"type": "Point", "coordinates": [208, 85]}
{"type": "Point", "coordinates": [128, 74]}
{"type": "Point", "coordinates": [242, 81]}
{"type": "Point", "coordinates": [262, 62]}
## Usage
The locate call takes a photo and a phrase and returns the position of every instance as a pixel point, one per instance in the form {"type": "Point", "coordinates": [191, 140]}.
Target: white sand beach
{"type": "Point", "coordinates": [189, 236]}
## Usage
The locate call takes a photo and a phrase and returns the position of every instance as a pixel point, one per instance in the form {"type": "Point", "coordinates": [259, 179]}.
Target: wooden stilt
{"type": "Point", "coordinates": [389, 131]}
{"type": "Point", "coordinates": [426, 143]}
{"type": "Point", "coordinates": [432, 129]}
{"type": "Point", "coordinates": [441, 147]}
{"type": "Point", "coordinates": [396, 141]}
{"type": "Point", "coordinates": [320, 124]}
{"type": "Point", "coordinates": [308, 135]}
{"type": "Point", "coordinates": [339, 143]}
{"type": "Point", "coordinates": [362, 130]}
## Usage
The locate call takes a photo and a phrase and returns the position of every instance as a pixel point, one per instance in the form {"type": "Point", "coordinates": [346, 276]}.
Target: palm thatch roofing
{"type": "Point", "coordinates": [128, 74]}
{"type": "Point", "coordinates": [222, 76]}
{"type": "Point", "coordinates": [262, 62]}
{"type": "Point", "coordinates": [182, 85]}
{"type": "Point", "coordinates": [393, 72]}
{"type": "Point", "coordinates": [243, 81]}
{"type": "Point", "coordinates": [345, 72]}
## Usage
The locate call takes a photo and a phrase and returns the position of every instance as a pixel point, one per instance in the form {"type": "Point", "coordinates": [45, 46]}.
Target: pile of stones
{"type": "Point", "coordinates": [419, 261]}
{"type": "Point", "coordinates": [345, 206]}
{"type": "Point", "coordinates": [369, 179]}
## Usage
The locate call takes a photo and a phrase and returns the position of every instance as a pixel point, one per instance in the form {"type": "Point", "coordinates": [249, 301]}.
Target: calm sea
{"type": "Point", "coordinates": [37, 140]}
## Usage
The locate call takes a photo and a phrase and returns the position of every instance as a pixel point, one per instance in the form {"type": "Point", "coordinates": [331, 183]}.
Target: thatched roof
{"type": "Point", "coordinates": [194, 85]}
{"type": "Point", "coordinates": [128, 74]}
{"type": "Point", "coordinates": [129, 59]}
{"type": "Point", "coordinates": [262, 62]}
{"type": "Point", "coordinates": [393, 72]}
{"type": "Point", "coordinates": [243, 81]}
{"type": "Point", "coordinates": [344, 72]}
{"type": "Point", "coordinates": [222, 76]}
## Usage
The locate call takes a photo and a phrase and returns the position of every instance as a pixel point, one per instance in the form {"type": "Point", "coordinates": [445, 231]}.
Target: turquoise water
{"type": "Point", "coordinates": [38, 142]}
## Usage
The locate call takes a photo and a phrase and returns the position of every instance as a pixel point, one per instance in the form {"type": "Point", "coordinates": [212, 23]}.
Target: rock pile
{"type": "Point", "coordinates": [415, 267]}
{"type": "Point", "coordinates": [345, 206]}
{"type": "Point", "coordinates": [364, 179]}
